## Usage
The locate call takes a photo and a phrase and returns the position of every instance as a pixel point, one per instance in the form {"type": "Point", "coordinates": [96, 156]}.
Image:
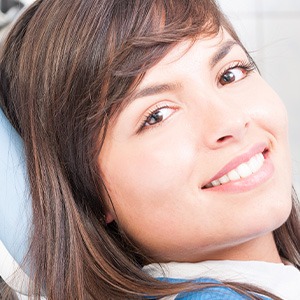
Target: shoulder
{"type": "Point", "coordinates": [210, 293]}
{"type": "Point", "coordinates": [213, 293]}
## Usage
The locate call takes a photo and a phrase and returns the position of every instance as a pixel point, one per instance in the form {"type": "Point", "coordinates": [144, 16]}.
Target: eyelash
{"type": "Point", "coordinates": [148, 114]}
{"type": "Point", "coordinates": [247, 65]}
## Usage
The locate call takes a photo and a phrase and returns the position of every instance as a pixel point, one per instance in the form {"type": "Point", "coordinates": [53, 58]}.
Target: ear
{"type": "Point", "coordinates": [109, 217]}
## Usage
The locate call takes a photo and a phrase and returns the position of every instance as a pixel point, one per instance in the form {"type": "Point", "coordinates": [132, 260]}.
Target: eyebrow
{"type": "Point", "coordinates": [157, 89]}
{"type": "Point", "coordinates": [222, 52]}
{"type": "Point", "coordinates": [169, 87]}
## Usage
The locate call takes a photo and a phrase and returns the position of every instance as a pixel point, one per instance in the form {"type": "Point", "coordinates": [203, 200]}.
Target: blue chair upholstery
{"type": "Point", "coordinates": [15, 204]}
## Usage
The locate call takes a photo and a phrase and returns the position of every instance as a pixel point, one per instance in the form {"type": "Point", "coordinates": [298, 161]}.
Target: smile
{"type": "Point", "coordinates": [243, 170]}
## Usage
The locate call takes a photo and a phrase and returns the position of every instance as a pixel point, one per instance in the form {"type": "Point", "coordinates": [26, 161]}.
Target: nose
{"type": "Point", "coordinates": [225, 123]}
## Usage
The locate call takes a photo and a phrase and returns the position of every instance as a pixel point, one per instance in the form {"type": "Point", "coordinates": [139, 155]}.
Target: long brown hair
{"type": "Point", "coordinates": [65, 69]}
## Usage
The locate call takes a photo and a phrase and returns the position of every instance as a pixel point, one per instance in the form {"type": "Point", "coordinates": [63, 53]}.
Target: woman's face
{"type": "Point", "coordinates": [197, 165]}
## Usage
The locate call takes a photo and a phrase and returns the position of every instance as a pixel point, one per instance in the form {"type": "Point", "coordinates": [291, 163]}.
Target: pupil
{"type": "Point", "coordinates": [155, 118]}
{"type": "Point", "coordinates": [228, 77]}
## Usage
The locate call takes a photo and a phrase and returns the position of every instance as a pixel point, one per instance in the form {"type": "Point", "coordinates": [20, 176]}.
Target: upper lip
{"type": "Point", "coordinates": [234, 163]}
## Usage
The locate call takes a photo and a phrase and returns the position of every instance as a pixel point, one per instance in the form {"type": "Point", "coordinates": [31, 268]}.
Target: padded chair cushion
{"type": "Point", "coordinates": [15, 204]}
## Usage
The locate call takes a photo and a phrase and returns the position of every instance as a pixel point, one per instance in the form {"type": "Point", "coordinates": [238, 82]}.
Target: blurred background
{"type": "Point", "coordinates": [270, 30]}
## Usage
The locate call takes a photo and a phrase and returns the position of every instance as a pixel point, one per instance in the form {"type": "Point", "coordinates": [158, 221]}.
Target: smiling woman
{"type": "Point", "coordinates": [196, 134]}
{"type": "Point", "coordinates": [157, 155]}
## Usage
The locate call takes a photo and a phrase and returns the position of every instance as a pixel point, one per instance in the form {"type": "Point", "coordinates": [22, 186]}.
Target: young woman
{"type": "Point", "coordinates": [158, 157]}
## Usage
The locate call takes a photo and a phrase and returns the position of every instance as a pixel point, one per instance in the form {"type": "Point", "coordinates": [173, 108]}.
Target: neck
{"type": "Point", "coordinates": [259, 249]}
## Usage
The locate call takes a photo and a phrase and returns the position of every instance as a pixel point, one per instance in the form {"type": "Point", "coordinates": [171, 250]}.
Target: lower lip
{"type": "Point", "coordinates": [248, 183]}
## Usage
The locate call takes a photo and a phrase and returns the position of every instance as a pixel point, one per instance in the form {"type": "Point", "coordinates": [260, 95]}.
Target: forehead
{"type": "Point", "coordinates": [201, 51]}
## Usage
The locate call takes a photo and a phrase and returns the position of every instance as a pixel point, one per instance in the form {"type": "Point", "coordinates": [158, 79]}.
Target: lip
{"type": "Point", "coordinates": [243, 184]}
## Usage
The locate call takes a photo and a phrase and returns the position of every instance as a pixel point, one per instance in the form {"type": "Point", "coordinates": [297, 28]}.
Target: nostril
{"type": "Point", "coordinates": [224, 138]}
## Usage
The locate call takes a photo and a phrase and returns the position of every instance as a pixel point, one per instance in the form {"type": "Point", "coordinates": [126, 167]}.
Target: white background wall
{"type": "Point", "coordinates": [270, 30]}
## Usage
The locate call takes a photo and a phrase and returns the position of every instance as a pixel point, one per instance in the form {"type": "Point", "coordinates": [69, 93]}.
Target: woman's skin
{"type": "Point", "coordinates": [189, 120]}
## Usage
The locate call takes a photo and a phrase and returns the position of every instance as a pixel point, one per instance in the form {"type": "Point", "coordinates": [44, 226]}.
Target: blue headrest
{"type": "Point", "coordinates": [15, 203]}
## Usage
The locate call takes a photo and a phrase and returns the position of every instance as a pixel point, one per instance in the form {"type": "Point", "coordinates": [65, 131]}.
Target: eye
{"type": "Point", "coordinates": [237, 72]}
{"type": "Point", "coordinates": [156, 116]}
{"type": "Point", "coordinates": [233, 75]}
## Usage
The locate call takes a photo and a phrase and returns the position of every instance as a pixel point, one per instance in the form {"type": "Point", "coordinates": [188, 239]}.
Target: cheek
{"type": "Point", "coordinates": [270, 114]}
{"type": "Point", "coordinates": [268, 110]}
{"type": "Point", "coordinates": [147, 175]}
{"type": "Point", "coordinates": [150, 186]}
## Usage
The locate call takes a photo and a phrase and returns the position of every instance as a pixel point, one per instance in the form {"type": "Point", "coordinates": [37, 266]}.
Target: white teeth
{"type": "Point", "coordinates": [215, 182]}
{"type": "Point", "coordinates": [256, 162]}
{"type": "Point", "coordinates": [233, 175]}
{"type": "Point", "coordinates": [224, 179]}
{"type": "Point", "coordinates": [242, 171]}
{"type": "Point", "coordinates": [253, 164]}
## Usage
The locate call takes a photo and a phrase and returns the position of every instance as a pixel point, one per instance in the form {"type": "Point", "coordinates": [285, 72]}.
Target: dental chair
{"type": "Point", "coordinates": [15, 203]}
{"type": "Point", "coordinates": [15, 210]}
